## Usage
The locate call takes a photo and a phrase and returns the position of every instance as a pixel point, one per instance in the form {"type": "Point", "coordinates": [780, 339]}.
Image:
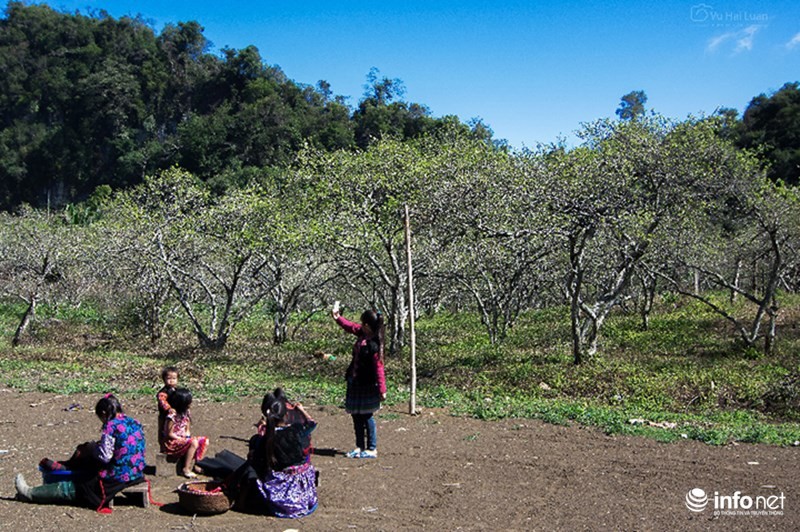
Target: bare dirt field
{"type": "Point", "coordinates": [434, 472]}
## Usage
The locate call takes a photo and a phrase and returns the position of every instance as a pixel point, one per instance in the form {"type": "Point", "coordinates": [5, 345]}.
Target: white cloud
{"type": "Point", "coordinates": [742, 39]}
{"type": "Point", "coordinates": [715, 42]}
{"type": "Point", "coordinates": [745, 39]}
{"type": "Point", "coordinates": [794, 42]}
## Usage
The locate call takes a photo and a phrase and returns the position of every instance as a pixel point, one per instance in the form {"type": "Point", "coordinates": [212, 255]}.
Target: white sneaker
{"type": "Point", "coordinates": [369, 454]}
{"type": "Point", "coordinates": [355, 453]}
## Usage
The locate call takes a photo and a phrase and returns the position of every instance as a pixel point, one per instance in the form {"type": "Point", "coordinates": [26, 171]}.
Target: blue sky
{"type": "Point", "coordinates": [532, 70]}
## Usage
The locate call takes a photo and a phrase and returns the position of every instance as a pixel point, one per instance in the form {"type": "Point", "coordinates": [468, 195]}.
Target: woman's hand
{"type": "Point", "coordinates": [302, 410]}
{"type": "Point", "coordinates": [383, 396]}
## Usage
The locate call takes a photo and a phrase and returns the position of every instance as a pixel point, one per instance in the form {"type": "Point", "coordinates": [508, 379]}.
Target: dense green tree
{"type": "Point", "coordinates": [82, 85]}
{"type": "Point", "coordinates": [382, 113]}
{"type": "Point", "coordinates": [772, 124]}
{"type": "Point", "coordinates": [729, 123]}
{"type": "Point", "coordinates": [87, 100]}
{"type": "Point", "coordinates": [631, 105]}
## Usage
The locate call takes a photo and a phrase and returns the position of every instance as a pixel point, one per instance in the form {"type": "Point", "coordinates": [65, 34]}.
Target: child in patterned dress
{"type": "Point", "coordinates": [177, 436]}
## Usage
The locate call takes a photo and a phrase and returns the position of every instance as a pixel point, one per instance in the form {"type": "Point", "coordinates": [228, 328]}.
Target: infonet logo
{"type": "Point", "coordinates": [737, 504]}
{"type": "Point", "coordinates": [696, 500]}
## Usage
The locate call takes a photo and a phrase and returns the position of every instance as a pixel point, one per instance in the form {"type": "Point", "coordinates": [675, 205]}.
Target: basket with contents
{"type": "Point", "coordinates": [202, 497]}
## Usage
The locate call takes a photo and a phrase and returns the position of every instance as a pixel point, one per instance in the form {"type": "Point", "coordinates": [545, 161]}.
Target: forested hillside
{"type": "Point", "coordinates": [89, 100]}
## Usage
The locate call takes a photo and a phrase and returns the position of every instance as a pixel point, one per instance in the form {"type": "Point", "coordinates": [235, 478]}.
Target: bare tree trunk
{"type": "Point", "coordinates": [279, 330]}
{"type": "Point", "coordinates": [30, 312]}
{"type": "Point", "coordinates": [574, 282]}
{"type": "Point", "coordinates": [769, 337]}
{"type": "Point", "coordinates": [577, 347]}
{"type": "Point", "coordinates": [398, 318]}
{"type": "Point", "coordinates": [589, 335]}
{"type": "Point", "coordinates": [649, 283]}
{"type": "Point", "coordinates": [736, 279]}
{"type": "Point", "coordinates": [216, 343]}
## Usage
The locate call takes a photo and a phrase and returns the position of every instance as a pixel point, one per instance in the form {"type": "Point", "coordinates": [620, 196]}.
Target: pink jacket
{"type": "Point", "coordinates": [355, 328]}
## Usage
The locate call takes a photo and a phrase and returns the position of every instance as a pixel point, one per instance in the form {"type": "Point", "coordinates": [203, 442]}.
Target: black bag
{"type": "Point", "coordinates": [222, 464]}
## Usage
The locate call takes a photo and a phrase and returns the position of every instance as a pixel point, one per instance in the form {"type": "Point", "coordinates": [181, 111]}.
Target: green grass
{"type": "Point", "coordinates": [687, 376]}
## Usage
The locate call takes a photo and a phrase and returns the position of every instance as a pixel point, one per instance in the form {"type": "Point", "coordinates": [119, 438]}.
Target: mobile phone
{"type": "Point", "coordinates": [336, 306]}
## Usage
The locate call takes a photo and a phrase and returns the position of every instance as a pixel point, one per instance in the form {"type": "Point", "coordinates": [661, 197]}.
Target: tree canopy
{"type": "Point", "coordinates": [89, 100]}
{"type": "Point", "coordinates": [772, 124]}
{"type": "Point", "coordinates": [631, 105]}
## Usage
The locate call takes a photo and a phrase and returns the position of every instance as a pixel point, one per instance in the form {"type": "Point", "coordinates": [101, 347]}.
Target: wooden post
{"type": "Point", "coordinates": [412, 402]}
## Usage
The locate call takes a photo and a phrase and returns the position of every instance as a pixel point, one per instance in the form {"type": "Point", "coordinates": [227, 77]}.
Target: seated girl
{"type": "Point", "coordinates": [277, 478]}
{"type": "Point", "coordinates": [177, 440]}
{"type": "Point", "coordinates": [106, 467]}
{"type": "Point", "coordinates": [285, 480]}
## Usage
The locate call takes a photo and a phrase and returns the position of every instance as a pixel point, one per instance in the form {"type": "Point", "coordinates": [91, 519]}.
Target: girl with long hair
{"type": "Point", "coordinates": [366, 380]}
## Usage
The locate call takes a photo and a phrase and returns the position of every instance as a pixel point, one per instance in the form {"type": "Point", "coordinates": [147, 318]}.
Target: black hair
{"type": "Point", "coordinates": [374, 318]}
{"type": "Point", "coordinates": [273, 406]}
{"type": "Point", "coordinates": [365, 375]}
{"type": "Point", "coordinates": [108, 407]}
{"type": "Point", "coordinates": [180, 399]}
{"type": "Point", "coordinates": [168, 369]}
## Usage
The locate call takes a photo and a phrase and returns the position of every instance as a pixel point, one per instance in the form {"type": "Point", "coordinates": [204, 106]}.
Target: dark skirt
{"type": "Point", "coordinates": [90, 489]}
{"type": "Point", "coordinates": [96, 493]}
{"type": "Point", "coordinates": [362, 399]}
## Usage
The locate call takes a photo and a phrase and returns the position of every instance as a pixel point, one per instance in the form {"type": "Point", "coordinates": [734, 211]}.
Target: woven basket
{"type": "Point", "coordinates": [195, 497]}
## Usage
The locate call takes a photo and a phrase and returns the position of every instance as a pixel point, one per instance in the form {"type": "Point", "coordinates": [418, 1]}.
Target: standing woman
{"type": "Point", "coordinates": [366, 381]}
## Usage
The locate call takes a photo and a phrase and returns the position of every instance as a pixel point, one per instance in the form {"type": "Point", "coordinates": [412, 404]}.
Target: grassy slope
{"type": "Point", "coordinates": [685, 377]}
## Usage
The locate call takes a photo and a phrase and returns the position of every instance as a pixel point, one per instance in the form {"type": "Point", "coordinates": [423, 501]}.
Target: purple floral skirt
{"type": "Point", "coordinates": [291, 492]}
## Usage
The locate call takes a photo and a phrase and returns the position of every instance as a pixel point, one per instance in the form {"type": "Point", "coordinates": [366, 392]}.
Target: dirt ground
{"type": "Point", "coordinates": [434, 472]}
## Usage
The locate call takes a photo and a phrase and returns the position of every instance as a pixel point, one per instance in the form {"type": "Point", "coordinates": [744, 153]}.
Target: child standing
{"type": "Point", "coordinates": [178, 439]}
{"type": "Point", "coordinates": [366, 381]}
{"type": "Point", "coordinates": [169, 376]}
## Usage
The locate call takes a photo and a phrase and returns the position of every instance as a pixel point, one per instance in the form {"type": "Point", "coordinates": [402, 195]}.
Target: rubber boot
{"type": "Point", "coordinates": [23, 490]}
{"type": "Point", "coordinates": [46, 493]}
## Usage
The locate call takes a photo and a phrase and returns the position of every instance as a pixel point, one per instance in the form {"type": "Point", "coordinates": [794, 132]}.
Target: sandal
{"type": "Point", "coordinates": [189, 474]}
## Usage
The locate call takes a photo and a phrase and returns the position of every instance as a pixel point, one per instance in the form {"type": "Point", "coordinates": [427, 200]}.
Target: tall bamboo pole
{"type": "Point", "coordinates": [412, 402]}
